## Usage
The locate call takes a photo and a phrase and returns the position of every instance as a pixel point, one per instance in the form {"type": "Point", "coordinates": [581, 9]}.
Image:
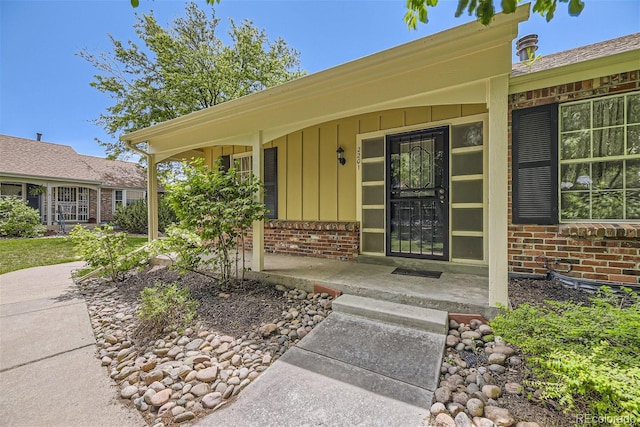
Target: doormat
{"type": "Point", "coordinates": [417, 273]}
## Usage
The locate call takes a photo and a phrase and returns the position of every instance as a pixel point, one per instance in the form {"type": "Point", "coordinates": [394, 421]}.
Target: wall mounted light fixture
{"type": "Point", "coordinates": [341, 158]}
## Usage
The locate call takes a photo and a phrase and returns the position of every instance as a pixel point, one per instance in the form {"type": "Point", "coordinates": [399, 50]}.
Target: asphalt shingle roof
{"type": "Point", "coordinates": [20, 156]}
{"type": "Point", "coordinates": [580, 54]}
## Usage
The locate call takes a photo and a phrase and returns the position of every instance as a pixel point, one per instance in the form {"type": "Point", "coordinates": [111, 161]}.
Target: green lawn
{"type": "Point", "coordinates": [16, 254]}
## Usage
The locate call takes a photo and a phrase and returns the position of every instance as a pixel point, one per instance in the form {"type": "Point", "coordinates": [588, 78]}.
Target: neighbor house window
{"type": "Point", "coordinates": [10, 190]}
{"type": "Point", "coordinates": [118, 199]}
{"type": "Point", "coordinates": [133, 196]}
{"type": "Point", "coordinates": [599, 156]}
{"type": "Point", "coordinates": [126, 197]}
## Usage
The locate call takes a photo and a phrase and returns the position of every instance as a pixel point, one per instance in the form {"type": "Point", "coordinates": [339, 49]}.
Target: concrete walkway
{"type": "Point", "coordinates": [369, 363]}
{"type": "Point", "coordinates": [372, 362]}
{"type": "Point", "coordinates": [49, 372]}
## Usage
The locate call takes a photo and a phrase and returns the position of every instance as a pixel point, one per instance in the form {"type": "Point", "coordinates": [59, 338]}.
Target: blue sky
{"type": "Point", "coordinates": [44, 85]}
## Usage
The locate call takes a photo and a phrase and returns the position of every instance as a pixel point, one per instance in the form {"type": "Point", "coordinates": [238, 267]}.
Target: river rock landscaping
{"type": "Point", "coordinates": [483, 380]}
{"type": "Point", "coordinates": [481, 383]}
{"type": "Point", "coordinates": [178, 378]}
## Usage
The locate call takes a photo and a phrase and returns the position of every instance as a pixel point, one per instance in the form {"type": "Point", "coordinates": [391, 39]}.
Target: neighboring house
{"type": "Point", "coordinates": [55, 179]}
{"type": "Point", "coordinates": [406, 154]}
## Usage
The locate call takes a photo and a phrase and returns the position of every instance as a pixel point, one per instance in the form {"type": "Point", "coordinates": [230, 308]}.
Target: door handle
{"type": "Point", "coordinates": [442, 194]}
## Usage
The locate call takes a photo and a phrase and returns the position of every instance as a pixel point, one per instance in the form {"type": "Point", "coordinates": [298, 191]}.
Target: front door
{"type": "Point", "coordinates": [417, 194]}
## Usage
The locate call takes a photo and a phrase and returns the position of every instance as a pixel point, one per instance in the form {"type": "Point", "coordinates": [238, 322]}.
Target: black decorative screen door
{"type": "Point", "coordinates": [417, 194]}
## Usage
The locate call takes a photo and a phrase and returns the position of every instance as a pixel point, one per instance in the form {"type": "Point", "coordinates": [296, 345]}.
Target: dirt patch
{"type": "Point", "coordinates": [235, 310]}
{"type": "Point", "coordinates": [536, 292]}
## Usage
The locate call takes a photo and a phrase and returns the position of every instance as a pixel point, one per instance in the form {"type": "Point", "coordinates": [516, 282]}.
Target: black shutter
{"type": "Point", "coordinates": [271, 182]}
{"type": "Point", "coordinates": [535, 165]}
{"type": "Point", "coordinates": [226, 162]}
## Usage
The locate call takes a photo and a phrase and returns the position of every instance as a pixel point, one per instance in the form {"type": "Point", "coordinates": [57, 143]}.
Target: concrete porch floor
{"type": "Point", "coordinates": [452, 292]}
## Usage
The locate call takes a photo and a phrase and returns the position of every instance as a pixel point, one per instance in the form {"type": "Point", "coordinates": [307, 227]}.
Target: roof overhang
{"type": "Point", "coordinates": [35, 179]}
{"type": "Point", "coordinates": [450, 67]}
{"type": "Point", "coordinates": [584, 70]}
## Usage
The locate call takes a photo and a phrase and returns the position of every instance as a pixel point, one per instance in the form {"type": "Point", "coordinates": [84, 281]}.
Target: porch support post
{"type": "Point", "coordinates": [152, 197]}
{"type": "Point", "coordinates": [49, 204]}
{"type": "Point", "coordinates": [98, 205]}
{"type": "Point", "coordinates": [257, 263]}
{"type": "Point", "coordinates": [497, 93]}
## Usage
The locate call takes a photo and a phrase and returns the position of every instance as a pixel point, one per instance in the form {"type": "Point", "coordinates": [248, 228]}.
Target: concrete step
{"type": "Point", "coordinates": [307, 389]}
{"type": "Point", "coordinates": [405, 354]}
{"type": "Point", "coordinates": [425, 319]}
{"type": "Point", "coordinates": [349, 370]}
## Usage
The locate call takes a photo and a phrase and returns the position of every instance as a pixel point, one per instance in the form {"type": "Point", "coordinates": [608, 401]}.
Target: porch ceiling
{"type": "Point", "coordinates": [451, 67]}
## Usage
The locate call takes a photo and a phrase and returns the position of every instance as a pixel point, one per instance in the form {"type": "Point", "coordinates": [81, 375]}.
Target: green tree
{"type": "Point", "coordinates": [183, 69]}
{"type": "Point", "coordinates": [484, 10]}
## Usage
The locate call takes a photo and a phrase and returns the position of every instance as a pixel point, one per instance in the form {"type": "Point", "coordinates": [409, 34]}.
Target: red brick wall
{"type": "Point", "coordinates": [93, 205]}
{"type": "Point", "coordinates": [334, 240]}
{"type": "Point", "coordinates": [603, 252]}
{"type": "Point", "coordinates": [106, 204]}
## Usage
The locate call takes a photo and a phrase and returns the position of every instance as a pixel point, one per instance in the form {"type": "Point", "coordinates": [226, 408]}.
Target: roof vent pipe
{"type": "Point", "coordinates": [38, 136]}
{"type": "Point", "coordinates": [526, 46]}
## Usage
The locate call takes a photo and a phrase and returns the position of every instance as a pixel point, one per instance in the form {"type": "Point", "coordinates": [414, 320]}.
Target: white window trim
{"type": "Point", "coordinates": [124, 197]}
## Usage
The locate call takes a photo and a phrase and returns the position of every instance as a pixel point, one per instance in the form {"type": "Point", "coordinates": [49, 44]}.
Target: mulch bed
{"type": "Point", "coordinates": [235, 310]}
{"type": "Point", "coordinates": [536, 292]}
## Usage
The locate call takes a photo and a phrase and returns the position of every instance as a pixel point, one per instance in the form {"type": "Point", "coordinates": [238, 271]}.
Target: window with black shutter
{"type": "Point", "coordinates": [535, 165]}
{"type": "Point", "coordinates": [271, 182]}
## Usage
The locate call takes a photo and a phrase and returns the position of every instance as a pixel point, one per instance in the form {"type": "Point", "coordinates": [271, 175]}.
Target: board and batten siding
{"type": "Point", "coordinates": [312, 186]}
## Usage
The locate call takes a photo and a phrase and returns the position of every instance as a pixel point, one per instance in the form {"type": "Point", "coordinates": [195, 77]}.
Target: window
{"type": "Point", "coordinates": [244, 164]}
{"type": "Point", "coordinates": [126, 197]}
{"type": "Point", "coordinates": [134, 196]}
{"type": "Point", "coordinates": [11, 190]}
{"type": "Point", "coordinates": [600, 159]}
{"type": "Point", "coordinates": [118, 198]}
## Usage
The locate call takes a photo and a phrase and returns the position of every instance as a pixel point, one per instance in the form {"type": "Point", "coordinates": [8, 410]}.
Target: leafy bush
{"type": "Point", "coordinates": [133, 217]}
{"type": "Point", "coordinates": [102, 247]}
{"type": "Point", "coordinates": [165, 307]}
{"type": "Point", "coordinates": [184, 247]}
{"type": "Point", "coordinates": [582, 356]}
{"type": "Point", "coordinates": [17, 219]}
{"type": "Point", "coordinates": [215, 209]}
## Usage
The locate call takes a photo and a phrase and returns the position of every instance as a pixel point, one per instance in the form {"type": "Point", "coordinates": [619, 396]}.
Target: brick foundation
{"type": "Point", "coordinates": [600, 252]}
{"type": "Point", "coordinates": [333, 240]}
{"type": "Point", "coordinates": [603, 252]}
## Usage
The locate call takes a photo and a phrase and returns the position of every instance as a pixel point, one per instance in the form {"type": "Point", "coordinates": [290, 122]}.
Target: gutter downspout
{"type": "Point", "coordinates": [152, 191]}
